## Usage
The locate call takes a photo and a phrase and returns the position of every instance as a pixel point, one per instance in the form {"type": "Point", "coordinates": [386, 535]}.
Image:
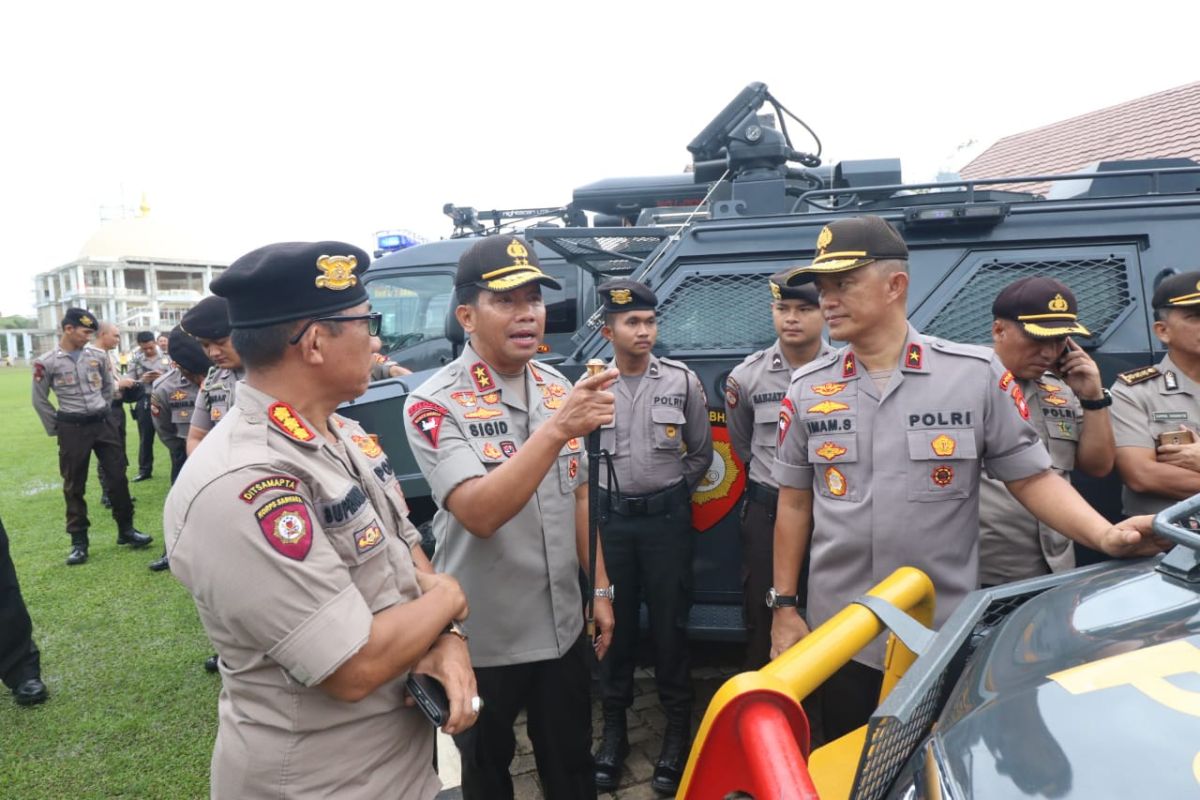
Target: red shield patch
{"type": "Point", "coordinates": [731, 393]}
{"type": "Point", "coordinates": [1019, 401]}
{"type": "Point", "coordinates": [721, 487]}
{"type": "Point", "coordinates": [427, 418]}
{"type": "Point", "coordinates": [509, 447]}
{"type": "Point", "coordinates": [286, 524]}
{"type": "Point", "coordinates": [573, 468]}
{"type": "Point", "coordinates": [39, 371]}
{"type": "Point", "coordinates": [786, 412]}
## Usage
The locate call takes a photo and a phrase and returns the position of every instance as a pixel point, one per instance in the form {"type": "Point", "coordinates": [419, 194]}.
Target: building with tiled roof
{"type": "Point", "coordinates": [1161, 125]}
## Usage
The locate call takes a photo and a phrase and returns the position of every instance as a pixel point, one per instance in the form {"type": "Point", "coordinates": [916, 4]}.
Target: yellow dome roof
{"type": "Point", "coordinates": [143, 237]}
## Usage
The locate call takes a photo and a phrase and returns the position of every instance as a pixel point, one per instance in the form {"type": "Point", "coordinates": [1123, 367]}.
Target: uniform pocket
{"type": "Point", "coordinates": [834, 459]}
{"type": "Point", "coordinates": [1062, 441]}
{"type": "Point", "coordinates": [668, 427]}
{"type": "Point", "coordinates": [943, 464]}
{"type": "Point", "coordinates": [766, 425]}
{"type": "Point", "coordinates": [569, 469]}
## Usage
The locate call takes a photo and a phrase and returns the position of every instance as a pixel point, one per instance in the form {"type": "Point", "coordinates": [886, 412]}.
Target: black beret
{"type": "Point", "coordinates": [208, 319]}
{"type": "Point", "coordinates": [80, 318]}
{"type": "Point", "coordinates": [1044, 307]}
{"type": "Point", "coordinates": [292, 280]}
{"type": "Point", "coordinates": [187, 352]}
{"type": "Point", "coordinates": [850, 243]}
{"type": "Point", "coordinates": [624, 294]}
{"type": "Point", "coordinates": [501, 264]}
{"type": "Point", "coordinates": [781, 291]}
{"type": "Point", "coordinates": [145, 336]}
{"type": "Point", "coordinates": [1177, 290]}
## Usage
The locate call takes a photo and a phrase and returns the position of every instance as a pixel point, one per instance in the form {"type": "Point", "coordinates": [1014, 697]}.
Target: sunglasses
{"type": "Point", "coordinates": [374, 320]}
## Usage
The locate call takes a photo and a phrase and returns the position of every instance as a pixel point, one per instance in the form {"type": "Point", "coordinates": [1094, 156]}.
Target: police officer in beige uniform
{"type": "Point", "coordinates": [146, 365]}
{"type": "Point", "coordinates": [1154, 401]}
{"type": "Point", "coordinates": [172, 401]}
{"type": "Point", "coordinates": [753, 392]}
{"type": "Point", "coordinates": [1068, 406]}
{"type": "Point", "coordinates": [208, 321]}
{"type": "Point", "coordinates": [125, 389]}
{"type": "Point", "coordinates": [290, 531]}
{"type": "Point", "coordinates": [499, 437]}
{"type": "Point", "coordinates": [83, 386]}
{"type": "Point", "coordinates": [879, 457]}
{"type": "Point", "coordinates": [383, 368]}
{"type": "Point", "coordinates": [661, 445]}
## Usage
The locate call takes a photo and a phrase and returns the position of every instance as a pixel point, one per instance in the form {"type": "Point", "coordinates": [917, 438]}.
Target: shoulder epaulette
{"type": "Point", "coordinates": [1138, 375]}
{"type": "Point", "coordinates": [546, 369]}
{"type": "Point", "coordinates": [673, 363]}
{"type": "Point", "coordinates": [960, 349]}
{"type": "Point", "coordinates": [755, 357]}
{"type": "Point", "coordinates": [820, 362]}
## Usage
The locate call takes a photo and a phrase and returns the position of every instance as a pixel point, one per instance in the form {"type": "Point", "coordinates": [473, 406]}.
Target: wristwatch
{"type": "Point", "coordinates": [455, 627]}
{"type": "Point", "coordinates": [1095, 405]}
{"type": "Point", "coordinates": [607, 594]}
{"type": "Point", "coordinates": [777, 600]}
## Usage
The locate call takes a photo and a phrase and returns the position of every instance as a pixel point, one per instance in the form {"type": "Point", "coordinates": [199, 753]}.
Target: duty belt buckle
{"type": "Point", "coordinates": [637, 505]}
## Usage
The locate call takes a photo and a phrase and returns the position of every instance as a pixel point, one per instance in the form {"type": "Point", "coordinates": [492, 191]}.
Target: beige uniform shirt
{"type": "Point", "coordinates": [660, 433]}
{"type": "Point", "coordinates": [1148, 402]}
{"type": "Point", "coordinates": [289, 545]}
{"type": "Point", "coordinates": [215, 397]}
{"type": "Point", "coordinates": [1014, 544]}
{"type": "Point", "coordinates": [523, 581]}
{"type": "Point", "coordinates": [81, 385]}
{"type": "Point", "coordinates": [753, 392]}
{"type": "Point", "coordinates": [172, 402]}
{"type": "Point", "coordinates": [140, 364]}
{"type": "Point", "coordinates": [895, 475]}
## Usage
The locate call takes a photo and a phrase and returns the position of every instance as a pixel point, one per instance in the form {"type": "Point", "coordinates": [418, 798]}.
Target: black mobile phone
{"type": "Point", "coordinates": [430, 696]}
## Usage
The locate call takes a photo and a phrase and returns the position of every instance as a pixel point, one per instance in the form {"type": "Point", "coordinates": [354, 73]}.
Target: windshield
{"type": "Point", "coordinates": [413, 307]}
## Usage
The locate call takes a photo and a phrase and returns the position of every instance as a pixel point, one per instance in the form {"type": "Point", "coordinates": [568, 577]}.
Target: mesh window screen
{"type": "Point", "coordinates": [1100, 285]}
{"type": "Point", "coordinates": [717, 312]}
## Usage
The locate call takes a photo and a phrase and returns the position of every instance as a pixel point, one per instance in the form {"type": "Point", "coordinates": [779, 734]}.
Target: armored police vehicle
{"type": "Point", "coordinates": [1111, 234]}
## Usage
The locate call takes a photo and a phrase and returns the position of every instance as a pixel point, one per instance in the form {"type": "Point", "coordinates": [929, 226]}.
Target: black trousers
{"type": "Point", "coordinates": [117, 415]}
{"type": "Point", "coordinates": [19, 658]}
{"type": "Point", "coordinates": [76, 443]}
{"type": "Point", "coordinates": [758, 575]}
{"type": "Point", "coordinates": [556, 697]}
{"type": "Point", "coordinates": [844, 702]}
{"type": "Point", "coordinates": [178, 451]}
{"type": "Point", "coordinates": [650, 558]}
{"type": "Point", "coordinates": [146, 435]}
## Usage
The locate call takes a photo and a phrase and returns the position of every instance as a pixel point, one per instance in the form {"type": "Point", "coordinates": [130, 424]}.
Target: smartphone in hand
{"type": "Point", "coordinates": [430, 697]}
{"type": "Point", "coordinates": [1176, 437]}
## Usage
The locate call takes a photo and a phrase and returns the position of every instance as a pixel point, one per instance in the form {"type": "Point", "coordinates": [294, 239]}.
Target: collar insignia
{"type": "Point", "coordinates": [337, 272]}
{"type": "Point", "coordinates": [1170, 381]}
{"type": "Point", "coordinates": [915, 358]}
{"type": "Point", "coordinates": [285, 419]}
{"type": "Point", "coordinates": [482, 377]}
{"type": "Point", "coordinates": [777, 362]}
{"type": "Point", "coordinates": [537, 376]}
{"type": "Point", "coordinates": [849, 366]}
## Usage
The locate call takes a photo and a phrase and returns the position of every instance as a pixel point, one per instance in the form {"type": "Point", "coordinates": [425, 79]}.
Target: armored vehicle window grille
{"type": "Point", "coordinates": [1100, 285]}
{"type": "Point", "coordinates": [606, 255]}
{"type": "Point", "coordinates": [891, 741]}
{"type": "Point", "coordinates": [716, 312]}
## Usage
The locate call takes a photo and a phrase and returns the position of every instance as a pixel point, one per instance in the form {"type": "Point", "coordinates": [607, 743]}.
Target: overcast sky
{"type": "Point", "coordinates": [253, 122]}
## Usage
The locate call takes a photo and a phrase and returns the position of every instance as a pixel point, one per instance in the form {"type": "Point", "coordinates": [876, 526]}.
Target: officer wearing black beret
{"type": "Point", "coordinates": [289, 528]}
{"type": "Point", "coordinates": [661, 446]}
{"type": "Point", "coordinates": [753, 392]}
{"type": "Point", "coordinates": [83, 386]}
{"type": "Point", "coordinates": [147, 365]}
{"type": "Point", "coordinates": [1156, 409]}
{"type": "Point", "coordinates": [208, 322]}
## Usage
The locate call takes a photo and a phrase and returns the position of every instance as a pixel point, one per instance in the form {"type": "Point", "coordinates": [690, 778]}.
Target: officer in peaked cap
{"type": "Point", "coordinates": [661, 446]}
{"type": "Point", "coordinates": [290, 529]}
{"type": "Point", "coordinates": [1034, 318]}
{"type": "Point", "coordinates": [499, 437]}
{"type": "Point", "coordinates": [753, 392]}
{"type": "Point", "coordinates": [83, 386]}
{"type": "Point", "coordinates": [208, 322]}
{"type": "Point", "coordinates": [878, 462]}
{"type": "Point", "coordinates": [1156, 409]}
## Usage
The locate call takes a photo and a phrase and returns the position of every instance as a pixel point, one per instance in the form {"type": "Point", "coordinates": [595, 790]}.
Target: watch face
{"type": "Point", "coordinates": [771, 597]}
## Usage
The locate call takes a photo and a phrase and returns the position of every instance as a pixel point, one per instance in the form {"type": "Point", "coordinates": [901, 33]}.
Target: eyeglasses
{"type": "Point", "coordinates": [374, 322]}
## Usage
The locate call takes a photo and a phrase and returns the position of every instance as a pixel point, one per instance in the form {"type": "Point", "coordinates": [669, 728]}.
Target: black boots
{"type": "Point", "coordinates": [668, 770]}
{"type": "Point", "coordinates": [133, 537]}
{"type": "Point", "coordinates": [30, 692]}
{"type": "Point", "coordinates": [614, 747]}
{"type": "Point", "coordinates": [79, 549]}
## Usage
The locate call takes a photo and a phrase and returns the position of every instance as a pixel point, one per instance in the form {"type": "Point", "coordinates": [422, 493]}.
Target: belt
{"type": "Point", "coordinates": [764, 495]}
{"type": "Point", "coordinates": [646, 505]}
{"type": "Point", "coordinates": [80, 419]}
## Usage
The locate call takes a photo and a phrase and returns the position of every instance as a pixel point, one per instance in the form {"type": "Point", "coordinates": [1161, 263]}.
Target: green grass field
{"type": "Point", "coordinates": [132, 713]}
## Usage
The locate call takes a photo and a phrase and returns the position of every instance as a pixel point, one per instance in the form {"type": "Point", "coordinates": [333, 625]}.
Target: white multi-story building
{"type": "Point", "coordinates": [137, 272]}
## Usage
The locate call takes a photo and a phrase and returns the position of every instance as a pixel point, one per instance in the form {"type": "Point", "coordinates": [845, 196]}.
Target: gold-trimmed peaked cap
{"type": "Point", "coordinates": [292, 280]}
{"type": "Point", "coordinates": [626, 294]}
{"type": "Point", "coordinates": [501, 264]}
{"type": "Point", "coordinates": [850, 243]}
{"type": "Point", "coordinates": [1177, 290]}
{"type": "Point", "coordinates": [781, 291]}
{"type": "Point", "coordinates": [1043, 307]}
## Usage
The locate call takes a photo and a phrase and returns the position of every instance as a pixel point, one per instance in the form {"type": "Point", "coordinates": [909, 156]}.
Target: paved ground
{"type": "Point", "coordinates": [712, 665]}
